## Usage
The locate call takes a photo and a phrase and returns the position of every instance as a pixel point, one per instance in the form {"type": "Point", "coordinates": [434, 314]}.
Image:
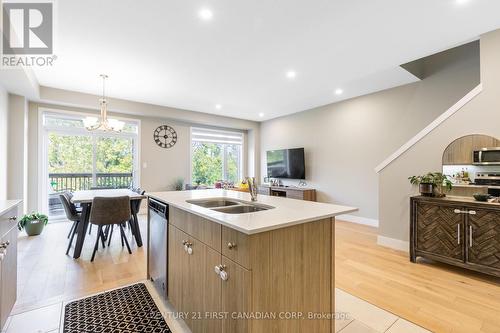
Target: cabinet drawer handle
{"type": "Point", "coordinates": [458, 232]}
{"type": "Point", "coordinates": [4, 245]}
{"type": "Point", "coordinates": [231, 245]}
{"type": "Point", "coordinates": [470, 236]}
{"type": "Point", "coordinates": [470, 212]}
{"type": "Point", "coordinates": [12, 218]}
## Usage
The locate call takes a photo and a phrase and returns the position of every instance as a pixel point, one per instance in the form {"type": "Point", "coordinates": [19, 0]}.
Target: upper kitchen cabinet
{"type": "Point", "coordinates": [460, 151]}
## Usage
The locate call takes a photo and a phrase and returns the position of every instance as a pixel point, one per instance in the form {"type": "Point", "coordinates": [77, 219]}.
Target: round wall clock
{"type": "Point", "coordinates": [165, 136]}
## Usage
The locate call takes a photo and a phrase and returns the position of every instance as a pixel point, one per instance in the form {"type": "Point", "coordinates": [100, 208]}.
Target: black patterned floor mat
{"type": "Point", "coordinates": [125, 310]}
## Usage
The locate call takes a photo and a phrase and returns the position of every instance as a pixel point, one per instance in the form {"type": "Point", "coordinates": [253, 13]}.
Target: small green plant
{"type": "Point", "coordinates": [179, 184]}
{"type": "Point", "coordinates": [441, 182]}
{"type": "Point", "coordinates": [438, 180]}
{"type": "Point", "coordinates": [28, 218]}
{"type": "Point", "coordinates": [423, 179]}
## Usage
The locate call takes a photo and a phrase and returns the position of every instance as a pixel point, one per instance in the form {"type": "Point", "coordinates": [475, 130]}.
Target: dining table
{"type": "Point", "coordinates": [85, 197]}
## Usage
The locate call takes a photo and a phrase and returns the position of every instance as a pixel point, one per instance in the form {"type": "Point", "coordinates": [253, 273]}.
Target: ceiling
{"type": "Point", "coordinates": [162, 52]}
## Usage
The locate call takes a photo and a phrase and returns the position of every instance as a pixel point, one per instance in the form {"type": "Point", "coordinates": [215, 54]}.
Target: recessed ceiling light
{"type": "Point", "coordinates": [461, 2]}
{"type": "Point", "coordinates": [339, 92]}
{"type": "Point", "coordinates": [291, 74]}
{"type": "Point", "coordinates": [218, 106]}
{"type": "Point", "coordinates": [205, 14]}
{"type": "Point", "coordinates": [261, 114]}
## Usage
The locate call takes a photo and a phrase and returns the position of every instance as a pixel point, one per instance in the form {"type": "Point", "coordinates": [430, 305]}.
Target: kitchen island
{"type": "Point", "coordinates": [240, 266]}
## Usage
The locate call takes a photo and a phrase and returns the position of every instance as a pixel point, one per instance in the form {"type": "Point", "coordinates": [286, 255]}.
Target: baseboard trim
{"type": "Point", "coordinates": [393, 243]}
{"type": "Point", "coordinates": [358, 220]}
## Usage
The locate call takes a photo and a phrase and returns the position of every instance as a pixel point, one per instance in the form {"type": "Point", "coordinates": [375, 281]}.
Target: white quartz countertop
{"type": "Point", "coordinates": [286, 212]}
{"type": "Point", "coordinates": [5, 205]}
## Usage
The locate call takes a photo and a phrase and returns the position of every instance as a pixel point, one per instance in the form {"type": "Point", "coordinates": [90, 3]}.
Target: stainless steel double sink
{"type": "Point", "coordinates": [229, 206]}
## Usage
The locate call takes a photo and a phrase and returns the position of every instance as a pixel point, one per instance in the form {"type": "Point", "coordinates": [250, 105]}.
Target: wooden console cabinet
{"type": "Point", "coordinates": [288, 192]}
{"type": "Point", "coordinates": [221, 278]}
{"type": "Point", "coordinates": [457, 231]}
{"type": "Point", "coordinates": [8, 261]}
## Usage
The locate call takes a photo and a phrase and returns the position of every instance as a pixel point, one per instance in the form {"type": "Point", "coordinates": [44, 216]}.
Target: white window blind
{"type": "Point", "coordinates": [216, 136]}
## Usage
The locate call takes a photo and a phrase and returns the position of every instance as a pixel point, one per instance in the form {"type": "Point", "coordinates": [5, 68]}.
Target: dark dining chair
{"type": "Point", "coordinates": [135, 206]}
{"type": "Point", "coordinates": [108, 211]}
{"type": "Point", "coordinates": [72, 214]}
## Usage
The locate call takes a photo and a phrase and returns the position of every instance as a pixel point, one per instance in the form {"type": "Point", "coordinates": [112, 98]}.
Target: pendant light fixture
{"type": "Point", "coordinates": [103, 123]}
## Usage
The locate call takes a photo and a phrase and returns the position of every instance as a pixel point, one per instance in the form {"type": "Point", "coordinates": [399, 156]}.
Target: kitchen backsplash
{"type": "Point", "coordinates": [451, 170]}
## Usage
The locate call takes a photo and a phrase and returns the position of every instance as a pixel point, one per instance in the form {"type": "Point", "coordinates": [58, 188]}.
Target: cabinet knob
{"type": "Point", "coordinates": [12, 218]}
{"type": "Point", "coordinates": [3, 253]}
{"type": "Point", "coordinates": [220, 270]}
{"type": "Point", "coordinates": [231, 245]}
{"type": "Point", "coordinates": [224, 276]}
{"type": "Point", "coordinates": [187, 247]}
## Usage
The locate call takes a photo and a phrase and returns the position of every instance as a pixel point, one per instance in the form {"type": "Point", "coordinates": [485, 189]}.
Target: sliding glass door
{"type": "Point", "coordinates": [77, 159]}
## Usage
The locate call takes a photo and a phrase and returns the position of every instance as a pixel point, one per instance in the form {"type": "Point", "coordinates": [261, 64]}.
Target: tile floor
{"type": "Point", "coordinates": [358, 317]}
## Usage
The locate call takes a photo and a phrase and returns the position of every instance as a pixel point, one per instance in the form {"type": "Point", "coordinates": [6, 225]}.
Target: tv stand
{"type": "Point", "coordinates": [292, 192]}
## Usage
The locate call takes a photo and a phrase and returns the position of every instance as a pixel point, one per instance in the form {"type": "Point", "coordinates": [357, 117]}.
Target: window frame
{"type": "Point", "coordinates": [43, 133]}
{"type": "Point", "coordinates": [242, 161]}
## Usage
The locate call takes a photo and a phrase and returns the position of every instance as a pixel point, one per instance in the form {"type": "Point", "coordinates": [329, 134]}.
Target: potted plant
{"type": "Point", "coordinates": [432, 184]}
{"type": "Point", "coordinates": [179, 184]}
{"type": "Point", "coordinates": [441, 182]}
{"type": "Point", "coordinates": [425, 184]}
{"type": "Point", "coordinates": [33, 223]}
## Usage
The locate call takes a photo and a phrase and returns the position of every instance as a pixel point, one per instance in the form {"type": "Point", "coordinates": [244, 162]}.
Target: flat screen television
{"type": "Point", "coordinates": [286, 163]}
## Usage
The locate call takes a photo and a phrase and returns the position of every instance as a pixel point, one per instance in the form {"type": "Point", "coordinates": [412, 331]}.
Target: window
{"type": "Point", "coordinates": [216, 155]}
{"type": "Point", "coordinates": [78, 159]}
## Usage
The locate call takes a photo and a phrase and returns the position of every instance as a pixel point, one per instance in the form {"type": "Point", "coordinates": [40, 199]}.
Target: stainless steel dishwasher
{"type": "Point", "coordinates": [158, 245]}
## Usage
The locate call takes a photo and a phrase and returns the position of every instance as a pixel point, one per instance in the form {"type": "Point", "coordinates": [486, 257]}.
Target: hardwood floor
{"type": "Point", "coordinates": [438, 297]}
{"type": "Point", "coordinates": [46, 275]}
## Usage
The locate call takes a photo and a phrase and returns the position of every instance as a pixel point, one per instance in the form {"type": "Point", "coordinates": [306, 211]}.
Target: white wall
{"type": "Point", "coordinates": [345, 141]}
{"type": "Point", "coordinates": [16, 147]}
{"type": "Point", "coordinates": [164, 166]}
{"type": "Point", "coordinates": [4, 119]}
{"type": "Point", "coordinates": [480, 116]}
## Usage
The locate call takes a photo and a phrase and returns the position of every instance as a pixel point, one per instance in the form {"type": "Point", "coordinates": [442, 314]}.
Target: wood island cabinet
{"type": "Point", "coordinates": [227, 276]}
{"type": "Point", "coordinates": [457, 231]}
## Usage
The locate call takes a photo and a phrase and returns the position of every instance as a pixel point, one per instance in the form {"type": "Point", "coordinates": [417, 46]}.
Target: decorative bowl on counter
{"type": "Point", "coordinates": [481, 196]}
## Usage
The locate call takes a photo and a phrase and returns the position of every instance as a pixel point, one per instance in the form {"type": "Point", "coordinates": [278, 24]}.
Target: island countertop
{"type": "Point", "coordinates": [286, 212]}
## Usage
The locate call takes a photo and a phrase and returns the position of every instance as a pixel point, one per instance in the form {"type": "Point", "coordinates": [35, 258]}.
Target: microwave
{"type": "Point", "coordinates": [486, 156]}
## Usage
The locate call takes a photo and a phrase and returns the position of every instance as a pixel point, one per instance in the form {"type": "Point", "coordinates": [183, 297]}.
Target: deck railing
{"type": "Point", "coordinates": [85, 181]}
